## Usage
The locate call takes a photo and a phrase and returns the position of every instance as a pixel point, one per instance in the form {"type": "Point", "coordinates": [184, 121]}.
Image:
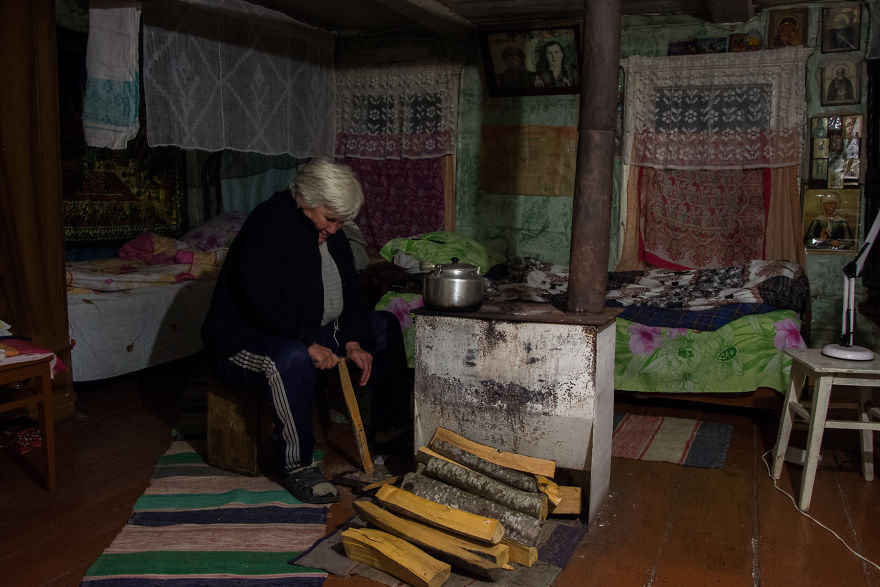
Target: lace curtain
{"type": "Point", "coordinates": [716, 111]}
{"type": "Point", "coordinates": [227, 74]}
{"type": "Point", "coordinates": [712, 141]}
{"type": "Point", "coordinates": [396, 111]}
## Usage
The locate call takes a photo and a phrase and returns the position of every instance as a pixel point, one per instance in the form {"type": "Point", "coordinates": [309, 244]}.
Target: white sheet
{"type": "Point", "coordinates": [114, 333]}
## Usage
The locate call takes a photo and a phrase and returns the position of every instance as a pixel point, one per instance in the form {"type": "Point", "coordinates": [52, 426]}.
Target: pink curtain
{"type": "Point", "coordinates": [402, 197]}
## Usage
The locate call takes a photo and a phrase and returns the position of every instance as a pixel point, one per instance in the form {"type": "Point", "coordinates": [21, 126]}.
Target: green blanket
{"type": "Point", "coordinates": [741, 356]}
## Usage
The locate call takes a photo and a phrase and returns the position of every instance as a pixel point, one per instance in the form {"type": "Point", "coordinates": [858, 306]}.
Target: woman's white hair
{"type": "Point", "coordinates": [322, 183]}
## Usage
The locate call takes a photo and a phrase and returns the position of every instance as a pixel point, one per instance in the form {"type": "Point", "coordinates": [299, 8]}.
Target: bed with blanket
{"type": "Point", "coordinates": [717, 332]}
{"type": "Point", "coordinates": [145, 305]}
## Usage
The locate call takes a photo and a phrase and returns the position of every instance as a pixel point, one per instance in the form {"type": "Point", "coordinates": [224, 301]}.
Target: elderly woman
{"type": "Point", "coordinates": [288, 303]}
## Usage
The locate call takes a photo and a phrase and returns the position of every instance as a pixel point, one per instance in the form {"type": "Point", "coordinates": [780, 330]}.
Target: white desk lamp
{"type": "Point", "coordinates": [846, 349]}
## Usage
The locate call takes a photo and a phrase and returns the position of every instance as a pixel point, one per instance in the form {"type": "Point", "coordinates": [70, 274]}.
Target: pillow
{"type": "Point", "coordinates": [153, 249]}
{"type": "Point", "coordinates": [217, 232]}
{"type": "Point", "coordinates": [441, 247]}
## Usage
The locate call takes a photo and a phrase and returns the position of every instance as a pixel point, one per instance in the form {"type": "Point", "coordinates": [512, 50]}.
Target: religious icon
{"type": "Point", "coordinates": [829, 219]}
{"type": "Point", "coordinates": [852, 127]}
{"type": "Point", "coordinates": [840, 83]}
{"type": "Point", "coordinates": [841, 28]}
{"type": "Point", "coordinates": [787, 28]}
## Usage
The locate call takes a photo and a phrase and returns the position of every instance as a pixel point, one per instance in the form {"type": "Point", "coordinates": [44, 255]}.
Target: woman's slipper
{"type": "Point", "coordinates": [309, 486]}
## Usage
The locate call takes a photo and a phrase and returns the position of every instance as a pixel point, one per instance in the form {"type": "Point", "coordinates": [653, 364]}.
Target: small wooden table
{"type": "Point", "coordinates": [39, 369]}
{"type": "Point", "coordinates": [826, 372]}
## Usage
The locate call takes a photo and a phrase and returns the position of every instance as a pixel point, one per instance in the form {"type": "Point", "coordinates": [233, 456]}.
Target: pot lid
{"type": "Point", "coordinates": [456, 268]}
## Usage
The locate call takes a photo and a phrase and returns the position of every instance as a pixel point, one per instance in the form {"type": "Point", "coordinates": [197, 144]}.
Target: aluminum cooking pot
{"type": "Point", "coordinates": [453, 287]}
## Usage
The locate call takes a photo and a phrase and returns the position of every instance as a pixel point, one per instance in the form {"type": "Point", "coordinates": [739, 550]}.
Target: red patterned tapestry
{"type": "Point", "coordinates": [402, 197]}
{"type": "Point", "coordinates": [701, 218]}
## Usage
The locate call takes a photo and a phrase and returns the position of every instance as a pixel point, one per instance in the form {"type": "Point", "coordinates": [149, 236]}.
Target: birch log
{"type": "Point", "coordinates": [518, 527]}
{"type": "Point", "coordinates": [521, 481]}
{"type": "Point", "coordinates": [533, 504]}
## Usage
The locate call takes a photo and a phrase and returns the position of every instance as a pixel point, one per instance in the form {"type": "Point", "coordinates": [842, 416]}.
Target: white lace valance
{"type": "Point", "coordinates": [396, 111]}
{"type": "Point", "coordinates": [716, 111]}
{"type": "Point", "coordinates": [227, 74]}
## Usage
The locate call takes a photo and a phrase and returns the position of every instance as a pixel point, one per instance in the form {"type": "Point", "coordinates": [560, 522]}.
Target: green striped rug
{"type": "Point", "coordinates": [200, 526]}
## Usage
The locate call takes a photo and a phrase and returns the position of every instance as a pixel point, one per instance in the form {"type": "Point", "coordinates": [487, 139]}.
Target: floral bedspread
{"type": "Point", "coordinates": [740, 356]}
{"type": "Point", "coordinates": [703, 331]}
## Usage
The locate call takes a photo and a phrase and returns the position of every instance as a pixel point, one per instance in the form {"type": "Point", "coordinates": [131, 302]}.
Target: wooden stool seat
{"type": "Point", "coordinates": [825, 373]}
{"type": "Point", "coordinates": [239, 435]}
{"type": "Point", "coordinates": [40, 370]}
{"type": "Point", "coordinates": [240, 424]}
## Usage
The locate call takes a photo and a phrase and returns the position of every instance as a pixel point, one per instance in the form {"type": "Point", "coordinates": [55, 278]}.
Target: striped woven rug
{"type": "Point", "coordinates": [676, 440]}
{"type": "Point", "coordinates": [200, 526]}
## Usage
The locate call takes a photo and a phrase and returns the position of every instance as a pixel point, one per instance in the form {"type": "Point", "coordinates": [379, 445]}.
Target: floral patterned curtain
{"type": "Point", "coordinates": [403, 197]}
{"type": "Point", "coordinates": [396, 111]}
{"type": "Point", "coordinates": [705, 135]}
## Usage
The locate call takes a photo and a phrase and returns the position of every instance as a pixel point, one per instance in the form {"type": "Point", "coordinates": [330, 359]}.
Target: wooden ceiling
{"type": "Point", "coordinates": [456, 17]}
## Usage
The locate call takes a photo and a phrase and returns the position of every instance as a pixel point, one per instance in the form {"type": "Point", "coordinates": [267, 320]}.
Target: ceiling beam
{"type": "Point", "coordinates": [730, 10]}
{"type": "Point", "coordinates": [431, 14]}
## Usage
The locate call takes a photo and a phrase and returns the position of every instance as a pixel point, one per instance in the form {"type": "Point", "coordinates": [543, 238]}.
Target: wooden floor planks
{"type": "Point", "coordinates": [662, 524]}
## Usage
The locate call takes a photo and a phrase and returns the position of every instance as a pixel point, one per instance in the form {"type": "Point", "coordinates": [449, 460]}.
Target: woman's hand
{"type": "Point", "coordinates": [322, 357]}
{"type": "Point", "coordinates": [361, 358]}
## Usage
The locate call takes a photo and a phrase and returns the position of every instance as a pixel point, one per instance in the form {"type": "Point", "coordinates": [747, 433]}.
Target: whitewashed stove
{"type": "Point", "coordinates": [525, 378]}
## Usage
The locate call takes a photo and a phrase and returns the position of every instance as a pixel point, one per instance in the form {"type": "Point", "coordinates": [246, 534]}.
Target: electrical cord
{"type": "Point", "coordinates": [820, 524]}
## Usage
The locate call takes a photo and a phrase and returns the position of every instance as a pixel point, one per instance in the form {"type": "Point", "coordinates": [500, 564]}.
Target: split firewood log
{"type": "Point", "coordinates": [442, 516]}
{"type": "Point", "coordinates": [395, 556]}
{"type": "Point", "coordinates": [479, 559]}
{"type": "Point", "coordinates": [518, 526]}
{"type": "Point", "coordinates": [533, 504]}
{"type": "Point", "coordinates": [521, 481]}
{"type": "Point", "coordinates": [569, 501]}
{"type": "Point", "coordinates": [520, 553]}
{"type": "Point", "coordinates": [549, 488]}
{"type": "Point", "coordinates": [517, 462]}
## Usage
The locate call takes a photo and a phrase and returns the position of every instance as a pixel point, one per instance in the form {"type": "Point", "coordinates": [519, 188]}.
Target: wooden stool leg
{"type": "Point", "coordinates": [792, 396]}
{"type": "Point", "coordinates": [867, 435]}
{"type": "Point", "coordinates": [47, 428]}
{"type": "Point", "coordinates": [818, 413]}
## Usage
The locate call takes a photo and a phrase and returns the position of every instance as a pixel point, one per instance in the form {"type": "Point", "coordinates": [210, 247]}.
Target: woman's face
{"type": "Point", "coordinates": [554, 56]}
{"type": "Point", "coordinates": [326, 221]}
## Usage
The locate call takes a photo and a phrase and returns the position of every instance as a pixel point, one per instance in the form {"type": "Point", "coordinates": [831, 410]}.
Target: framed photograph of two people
{"type": "Point", "coordinates": [532, 62]}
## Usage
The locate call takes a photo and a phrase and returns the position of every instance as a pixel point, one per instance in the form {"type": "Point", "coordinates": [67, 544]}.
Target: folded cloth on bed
{"type": "Point", "coordinates": [118, 274]}
{"type": "Point", "coordinates": [698, 299]}
{"type": "Point", "coordinates": [146, 260]}
{"type": "Point", "coordinates": [782, 284]}
{"type": "Point", "coordinates": [705, 320]}
{"type": "Point", "coordinates": [440, 247]}
{"type": "Point", "coordinates": [154, 249]}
